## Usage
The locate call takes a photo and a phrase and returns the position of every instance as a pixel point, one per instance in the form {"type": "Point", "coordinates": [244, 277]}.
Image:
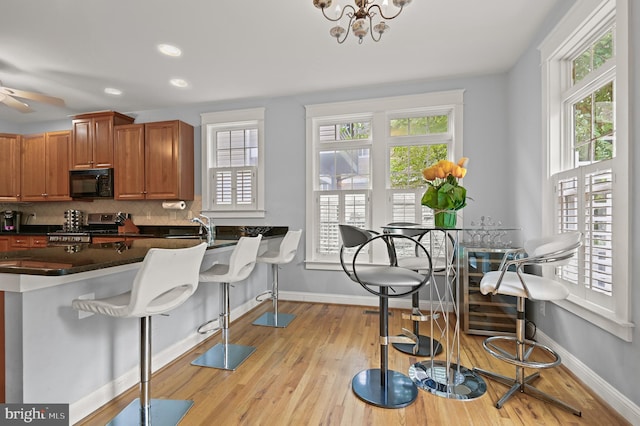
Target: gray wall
{"type": "Point", "coordinates": [502, 138]}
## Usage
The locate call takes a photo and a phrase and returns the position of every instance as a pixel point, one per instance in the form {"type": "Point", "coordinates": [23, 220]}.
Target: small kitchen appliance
{"type": "Point", "coordinates": [11, 220]}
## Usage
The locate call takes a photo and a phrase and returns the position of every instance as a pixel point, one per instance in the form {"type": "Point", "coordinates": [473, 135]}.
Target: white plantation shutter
{"type": "Point", "coordinates": [339, 207]}
{"type": "Point", "coordinates": [404, 206]}
{"type": "Point", "coordinates": [598, 233]}
{"type": "Point", "coordinates": [584, 200]}
{"type": "Point", "coordinates": [235, 187]}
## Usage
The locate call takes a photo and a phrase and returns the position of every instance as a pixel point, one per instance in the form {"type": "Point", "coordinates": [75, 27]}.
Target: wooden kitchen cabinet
{"type": "Point", "coordinates": [5, 243]}
{"type": "Point", "coordinates": [25, 242]}
{"type": "Point", "coordinates": [9, 167]}
{"type": "Point", "coordinates": [92, 139]}
{"type": "Point", "coordinates": [154, 161]}
{"type": "Point", "coordinates": [44, 167]}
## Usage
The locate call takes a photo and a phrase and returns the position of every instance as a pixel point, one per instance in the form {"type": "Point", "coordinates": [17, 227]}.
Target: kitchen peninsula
{"type": "Point", "coordinates": [55, 354]}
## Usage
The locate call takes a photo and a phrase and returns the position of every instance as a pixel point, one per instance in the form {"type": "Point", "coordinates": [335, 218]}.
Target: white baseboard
{"type": "Point", "coordinates": [87, 405]}
{"type": "Point", "coordinates": [620, 403]}
{"type": "Point", "coordinates": [342, 299]}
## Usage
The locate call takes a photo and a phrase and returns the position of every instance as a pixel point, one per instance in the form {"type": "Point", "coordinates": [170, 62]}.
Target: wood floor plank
{"type": "Point", "coordinates": [301, 375]}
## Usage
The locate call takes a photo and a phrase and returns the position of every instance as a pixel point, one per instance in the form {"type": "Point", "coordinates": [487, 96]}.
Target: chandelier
{"type": "Point", "coordinates": [361, 18]}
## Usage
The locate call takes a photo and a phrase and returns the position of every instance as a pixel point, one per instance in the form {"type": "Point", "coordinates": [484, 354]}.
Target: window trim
{"type": "Point", "coordinates": [583, 20]}
{"type": "Point", "coordinates": [380, 110]}
{"type": "Point", "coordinates": [212, 121]}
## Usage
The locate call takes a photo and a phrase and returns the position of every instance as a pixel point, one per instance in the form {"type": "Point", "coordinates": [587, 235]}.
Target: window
{"type": "Point", "coordinates": [585, 80]}
{"type": "Point", "coordinates": [365, 162]}
{"type": "Point", "coordinates": [233, 171]}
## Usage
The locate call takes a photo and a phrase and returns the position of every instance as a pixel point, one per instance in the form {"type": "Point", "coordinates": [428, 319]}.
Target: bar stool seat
{"type": "Point", "coordinates": [166, 279]}
{"type": "Point", "coordinates": [285, 254]}
{"type": "Point", "coordinates": [224, 355]}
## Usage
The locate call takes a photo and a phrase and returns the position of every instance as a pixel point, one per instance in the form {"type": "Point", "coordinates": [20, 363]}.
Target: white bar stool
{"type": "Point", "coordinates": [166, 279]}
{"type": "Point", "coordinates": [224, 355]}
{"type": "Point", "coordinates": [511, 280]}
{"type": "Point", "coordinates": [285, 254]}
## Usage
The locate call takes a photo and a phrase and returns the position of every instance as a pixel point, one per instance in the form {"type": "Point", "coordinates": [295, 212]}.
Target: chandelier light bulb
{"type": "Point", "coordinates": [360, 28]}
{"type": "Point", "coordinates": [381, 27]}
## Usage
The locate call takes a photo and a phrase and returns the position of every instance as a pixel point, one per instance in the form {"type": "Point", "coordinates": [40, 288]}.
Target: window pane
{"type": "Point", "coordinates": [406, 164]}
{"type": "Point", "coordinates": [593, 56]}
{"type": "Point", "coordinates": [237, 148]}
{"type": "Point", "coordinates": [345, 169]}
{"type": "Point", "coordinates": [419, 125]}
{"type": "Point", "coordinates": [593, 126]}
{"type": "Point", "coordinates": [345, 131]}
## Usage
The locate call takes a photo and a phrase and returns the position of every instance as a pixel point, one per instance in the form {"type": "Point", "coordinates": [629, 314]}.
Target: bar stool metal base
{"type": "Point", "coordinates": [164, 412]}
{"type": "Point", "coordinates": [224, 357]}
{"type": "Point", "coordinates": [269, 319]}
{"type": "Point", "coordinates": [399, 392]}
{"type": "Point", "coordinates": [432, 376]}
{"type": "Point", "coordinates": [527, 388]}
{"type": "Point", "coordinates": [424, 348]}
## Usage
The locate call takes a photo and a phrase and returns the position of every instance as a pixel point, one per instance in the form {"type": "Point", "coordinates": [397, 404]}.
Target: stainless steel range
{"type": "Point", "coordinates": [97, 224]}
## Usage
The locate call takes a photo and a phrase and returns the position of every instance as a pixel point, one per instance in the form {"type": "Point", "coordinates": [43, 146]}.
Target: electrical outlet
{"type": "Point", "coordinates": [148, 215]}
{"type": "Point", "coordinates": [85, 314]}
{"type": "Point", "coordinates": [542, 306]}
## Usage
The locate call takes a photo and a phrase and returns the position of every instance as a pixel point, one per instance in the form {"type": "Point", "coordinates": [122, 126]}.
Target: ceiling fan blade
{"type": "Point", "coordinates": [38, 97]}
{"type": "Point", "coordinates": [13, 103]}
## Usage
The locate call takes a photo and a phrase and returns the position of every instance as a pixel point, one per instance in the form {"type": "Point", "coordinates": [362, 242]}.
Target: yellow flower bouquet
{"type": "Point", "coordinates": [445, 194]}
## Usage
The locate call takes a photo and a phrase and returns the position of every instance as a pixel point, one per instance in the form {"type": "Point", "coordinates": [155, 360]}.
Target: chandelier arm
{"type": "Point", "coordinates": [373, 35]}
{"type": "Point", "coordinates": [381, 13]}
{"type": "Point", "coordinates": [353, 11]}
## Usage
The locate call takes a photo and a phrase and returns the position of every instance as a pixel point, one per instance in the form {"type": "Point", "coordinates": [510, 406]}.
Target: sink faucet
{"type": "Point", "coordinates": [207, 228]}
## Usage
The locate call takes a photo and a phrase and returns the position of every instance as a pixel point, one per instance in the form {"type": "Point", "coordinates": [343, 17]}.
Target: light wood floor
{"type": "Point", "coordinates": [301, 375]}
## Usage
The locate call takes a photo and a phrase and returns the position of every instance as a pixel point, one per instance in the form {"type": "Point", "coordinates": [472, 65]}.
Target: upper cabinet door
{"type": "Point", "coordinates": [9, 167]}
{"type": "Point", "coordinates": [128, 161]}
{"type": "Point", "coordinates": [169, 161]}
{"type": "Point", "coordinates": [33, 165]}
{"type": "Point", "coordinates": [102, 143]}
{"type": "Point", "coordinates": [58, 145]}
{"type": "Point", "coordinates": [82, 144]}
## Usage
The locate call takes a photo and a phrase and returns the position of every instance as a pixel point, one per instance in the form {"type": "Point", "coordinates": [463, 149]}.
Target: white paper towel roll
{"type": "Point", "coordinates": [174, 205]}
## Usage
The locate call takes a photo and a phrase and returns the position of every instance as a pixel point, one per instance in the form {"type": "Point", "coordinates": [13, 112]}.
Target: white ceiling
{"type": "Point", "coordinates": [237, 49]}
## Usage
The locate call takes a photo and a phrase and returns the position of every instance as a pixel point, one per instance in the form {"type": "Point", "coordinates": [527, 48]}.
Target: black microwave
{"type": "Point", "coordinates": [93, 183]}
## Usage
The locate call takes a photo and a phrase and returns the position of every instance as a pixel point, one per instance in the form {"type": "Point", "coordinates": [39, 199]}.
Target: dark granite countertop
{"type": "Point", "coordinates": [75, 258]}
{"type": "Point", "coordinates": [162, 231]}
{"type": "Point", "coordinates": [72, 259]}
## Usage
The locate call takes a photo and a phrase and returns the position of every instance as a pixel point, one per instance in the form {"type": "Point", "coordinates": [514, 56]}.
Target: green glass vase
{"type": "Point", "coordinates": [445, 219]}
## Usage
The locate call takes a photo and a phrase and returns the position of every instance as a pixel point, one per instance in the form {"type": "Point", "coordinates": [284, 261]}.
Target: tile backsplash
{"type": "Point", "coordinates": [142, 212]}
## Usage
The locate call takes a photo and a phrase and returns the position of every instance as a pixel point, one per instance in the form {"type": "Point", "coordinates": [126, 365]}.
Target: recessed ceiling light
{"type": "Point", "coordinates": [112, 91]}
{"type": "Point", "coordinates": [169, 50]}
{"type": "Point", "coordinates": [178, 82]}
